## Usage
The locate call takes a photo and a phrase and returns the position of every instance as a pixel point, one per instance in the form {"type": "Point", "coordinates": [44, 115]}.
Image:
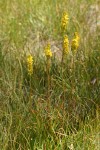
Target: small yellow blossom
{"type": "Point", "coordinates": [65, 45]}
{"type": "Point", "coordinates": [77, 36]}
{"type": "Point", "coordinates": [48, 52]}
{"type": "Point", "coordinates": [64, 21]}
{"type": "Point", "coordinates": [75, 42]}
{"type": "Point", "coordinates": [30, 64]}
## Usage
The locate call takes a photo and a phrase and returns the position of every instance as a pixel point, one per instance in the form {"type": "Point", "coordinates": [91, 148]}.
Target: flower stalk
{"type": "Point", "coordinates": [48, 54]}
{"type": "Point", "coordinates": [30, 71]}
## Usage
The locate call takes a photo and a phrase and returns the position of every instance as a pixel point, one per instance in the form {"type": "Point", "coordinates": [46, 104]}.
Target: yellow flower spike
{"type": "Point", "coordinates": [30, 64]}
{"type": "Point", "coordinates": [77, 36]}
{"type": "Point", "coordinates": [65, 45]}
{"type": "Point", "coordinates": [48, 52]}
{"type": "Point", "coordinates": [64, 21]}
{"type": "Point", "coordinates": [75, 42]}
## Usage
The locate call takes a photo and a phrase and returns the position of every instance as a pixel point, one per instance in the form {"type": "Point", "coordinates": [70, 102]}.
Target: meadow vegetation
{"type": "Point", "coordinates": [49, 75]}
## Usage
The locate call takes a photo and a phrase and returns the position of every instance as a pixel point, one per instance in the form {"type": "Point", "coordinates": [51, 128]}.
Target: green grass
{"type": "Point", "coordinates": [67, 117]}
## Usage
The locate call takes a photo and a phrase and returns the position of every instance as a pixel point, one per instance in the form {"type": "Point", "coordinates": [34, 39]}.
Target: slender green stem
{"type": "Point", "coordinates": [48, 78]}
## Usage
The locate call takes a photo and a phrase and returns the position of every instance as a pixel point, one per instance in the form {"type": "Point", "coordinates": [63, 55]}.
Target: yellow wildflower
{"type": "Point", "coordinates": [65, 45]}
{"type": "Point", "coordinates": [75, 42]}
{"type": "Point", "coordinates": [48, 52]}
{"type": "Point", "coordinates": [77, 36]}
{"type": "Point", "coordinates": [64, 21]}
{"type": "Point", "coordinates": [30, 64]}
